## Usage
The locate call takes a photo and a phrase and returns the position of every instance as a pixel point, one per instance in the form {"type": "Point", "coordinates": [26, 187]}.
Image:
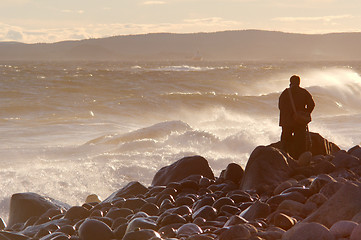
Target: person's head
{"type": "Point", "coordinates": [295, 81]}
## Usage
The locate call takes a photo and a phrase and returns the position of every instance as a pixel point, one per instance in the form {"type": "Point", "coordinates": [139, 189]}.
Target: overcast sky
{"type": "Point", "coordinates": [33, 21]}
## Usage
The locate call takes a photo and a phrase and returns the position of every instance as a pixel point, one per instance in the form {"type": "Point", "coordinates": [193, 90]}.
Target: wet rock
{"type": "Point", "coordinates": [2, 224]}
{"type": "Point", "coordinates": [184, 200]}
{"type": "Point", "coordinates": [308, 231]}
{"type": "Point", "coordinates": [343, 229]}
{"type": "Point", "coordinates": [150, 208]}
{"type": "Point", "coordinates": [144, 234]}
{"type": "Point", "coordinates": [321, 146]}
{"type": "Point", "coordinates": [141, 223]}
{"type": "Point", "coordinates": [131, 189]}
{"type": "Point", "coordinates": [344, 160]}
{"type": "Point", "coordinates": [172, 218]}
{"type": "Point", "coordinates": [207, 200]}
{"type": "Point", "coordinates": [189, 229]}
{"type": "Point", "coordinates": [266, 168]}
{"type": "Point", "coordinates": [223, 201]}
{"type": "Point", "coordinates": [234, 173]}
{"type": "Point", "coordinates": [305, 159]}
{"type": "Point", "coordinates": [283, 221]}
{"type": "Point", "coordinates": [235, 220]}
{"type": "Point", "coordinates": [207, 212]}
{"type": "Point", "coordinates": [26, 205]}
{"type": "Point", "coordinates": [76, 213]}
{"type": "Point", "coordinates": [181, 169]}
{"type": "Point", "coordinates": [92, 229]}
{"type": "Point", "coordinates": [347, 203]}
{"type": "Point", "coordinates": [12, 236]}
{"type": "Point", "coordinates": [356, 233]}
{"type": "Point", "coordinates": [236, 232]}
{"type": "Point", "coordinates": [134, 203]}
{"type": "Point", "coordinates": [355, 151]}
{"type": "Point", "coordinates": [256, 210]}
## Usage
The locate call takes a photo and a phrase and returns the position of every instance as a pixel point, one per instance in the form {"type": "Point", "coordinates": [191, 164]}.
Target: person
{"type": "Point", "coordinates": [294, 134]}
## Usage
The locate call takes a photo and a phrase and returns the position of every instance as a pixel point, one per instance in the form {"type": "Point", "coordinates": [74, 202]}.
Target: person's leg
{"type": "Point", "coordinates": [300, 140]}
{"type": "Point", "coordinates": [286, 138]}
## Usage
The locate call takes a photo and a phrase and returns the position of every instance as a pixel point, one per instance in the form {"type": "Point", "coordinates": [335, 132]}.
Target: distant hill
{"type": "Point", "coordinates": [228, 45]}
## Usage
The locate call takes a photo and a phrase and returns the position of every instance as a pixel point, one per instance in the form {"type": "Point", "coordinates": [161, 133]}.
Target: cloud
{"type": "Point", "coordinates": [153, 3]}
{"type": "Point", "coordinates": [308, 19]}
{"type": "Point", "coordinates": [72, 11]}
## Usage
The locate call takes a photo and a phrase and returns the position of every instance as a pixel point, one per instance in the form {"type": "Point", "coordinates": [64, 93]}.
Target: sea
{"type": "Point", "coordinates": [71, 129]}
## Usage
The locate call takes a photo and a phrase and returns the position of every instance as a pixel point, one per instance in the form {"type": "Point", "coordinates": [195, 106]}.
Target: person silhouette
{"type": "Point", "coordinates": [294, 133]}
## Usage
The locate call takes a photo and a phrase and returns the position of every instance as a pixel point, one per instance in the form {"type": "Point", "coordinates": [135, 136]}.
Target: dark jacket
{"type": "Point", "coordinates": [302, 99]}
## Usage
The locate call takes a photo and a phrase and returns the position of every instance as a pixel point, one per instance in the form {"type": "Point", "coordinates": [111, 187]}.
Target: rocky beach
{"type": "Point", "coordinates": [275, 197]}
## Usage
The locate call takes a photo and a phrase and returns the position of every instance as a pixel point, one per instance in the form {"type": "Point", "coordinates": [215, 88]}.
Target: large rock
{"type": "Point", "coordinates": [26, 205]}
{"type": "Point", "coordinates": [320, 145]}
{"type": "Point", "coordinates": [308, 231]}
{"type": "Point", "coordinates": [343, 205]}
{"type": "Point", "coordinates": [92, 229]}
{"type": "Point", "coordinates": [181, 169]}
{"type": "Point", "coordinates": [131, 189]}
{"type": "Point", "coordinates": [266, 168]}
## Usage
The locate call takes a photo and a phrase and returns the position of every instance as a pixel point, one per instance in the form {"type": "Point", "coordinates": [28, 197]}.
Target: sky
{"type": "Point", "coordinates": [47, 21]}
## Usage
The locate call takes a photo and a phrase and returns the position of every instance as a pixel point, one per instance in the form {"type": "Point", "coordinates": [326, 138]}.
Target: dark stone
{"type": "Point", "coordinates": [181, 169]}
{"type": "Point", "coordinates": [189, 229]}
{"type": "Point", "coordinates": [266, 168]}
{"type": "Point", "coordinates": [184, 200]}
{"type": "Point", "coordinates": [234, 173]}
{"type": "Point", "coordinates": [343, 205]}
{"type": "Point", "coordinates": [26, 205]}
{"type": "Point", "coordinates": [295, 196]}
{"type": "Point", "coordinates": [77, 212]}
{"type": "Point", "coordinates": [345, 160]}
{"type": "Point", "coordinates": [4, 235]}
{"type": "Point", "coordinates": [150, 208]}
{"type": "Point", "coordinates": [144, 234]}
{"type": "Point", "coordinates": [141, 223]}
{"type": "Point", "coordinates": [223, 201]}
{"type": "Point", "coordinates": [207, 200]}
{"type": "Point", "coordinates": [256, 210]}
{"type": "Point", "coordinates": [134, 203]}
{"type": "Point", "coordinates": [172, 218]}
{"type": "Point", "coordinates": [92, 229]}
{"type": "Point", "coordinates": [308, 231]}
{"type": "Point", "coordinates": [131, 189]}
{"type": "Point", "coordinates": [355, 151]}
{"type": "Point", "coordinates": [236, 232]}
{"type": "Point", "coordinates": [207, 212]}
{"type": "Point", "coordinates": [283, 221]}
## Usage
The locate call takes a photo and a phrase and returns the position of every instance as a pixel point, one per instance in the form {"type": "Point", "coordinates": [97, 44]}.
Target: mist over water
{"type": "Point", "coordinates": [70, 129]}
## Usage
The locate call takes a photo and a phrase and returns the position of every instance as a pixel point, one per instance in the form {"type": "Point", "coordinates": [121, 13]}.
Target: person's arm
{"type": "Point", "coordinates": [310, 103]}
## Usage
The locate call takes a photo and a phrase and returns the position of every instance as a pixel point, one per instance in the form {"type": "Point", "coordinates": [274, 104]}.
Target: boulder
{"type": "Point", "coordinates": [144, 234]}
{"type": "Point", "coordinates": [181, 169]}
{"type": "Point", "coordinates": [26, 205]}
{"type": "Point", "coordinates": [343, 205]}
{"type": "Point", "coordinates": [343, 229]}
{"type": "Point", "coordinates": [356, 233]}
{"type": "Point", "coordinates": [189, 229]}
{"type": "Point", "coordinates": [266, 168]}
{"type": "Point", "coordinates": [207, 212]}
{"type": "Point", "coordinates": [131, 189]}
{"type": "Point", "coordinates": [239, 231]}
{"type": "Point", "coordinates": [321, 146]}
{"type": "Point", "coordinates": [234, 173]}
{"type": "Point", "coordinates": [92, 229]}
{"type": "Point", "coordinates": [355, 151]}
{"type": "Point", "coordinates": [344, 160]}
{"type": "Point", "coordinates": [308, 231]}
{"type": "Point", "coordinates": [141, 223]}
{"type": "Point", "coordinates": [256, 210]}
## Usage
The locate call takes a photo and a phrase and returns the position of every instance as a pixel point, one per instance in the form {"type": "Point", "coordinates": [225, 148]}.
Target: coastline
{"type": "Point", "coordinates": [274, 197]}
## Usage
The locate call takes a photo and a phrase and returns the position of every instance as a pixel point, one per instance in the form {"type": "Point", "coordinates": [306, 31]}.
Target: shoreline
{"type": "Point", "coordinates": [274, 197]}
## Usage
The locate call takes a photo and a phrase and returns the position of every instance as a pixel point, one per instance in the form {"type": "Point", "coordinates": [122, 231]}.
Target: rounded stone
{"type": "Point", "coordinates": [189, 229]}
{"type": "Point", "coordinates": [184, 200]}
{"type": "Point", "coordinates": [144, 234]}
{"type": "Point", "coordinates": [92, 198]}
{"type": "Point", "coordinates": [76, 212]}
{"type": "Point", "coordinates": [141, 223]}
{"type": "Point", "coordinates": [356, 233]}
{"type": "Point", "coordinates": [172, 218]}
{"type": "Point", "coordinates": [283, 221]}
{"type": "Point", "coordinates": [92, 229]}
{"type": "Point", "coordinates": [134, 203]}
{"type": "Point", "coordinates": [223, 201]}
{"type": "Point", "coordinates": [206, 212]}
{"type": "Point", "coordinates": [150, 208]}
{"type": "Point", "coordinates": [343, 229]}
{"type": "Point", "coordinates": [236, 232]}
{"type": "Point", "coordinates": [308, 231]}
